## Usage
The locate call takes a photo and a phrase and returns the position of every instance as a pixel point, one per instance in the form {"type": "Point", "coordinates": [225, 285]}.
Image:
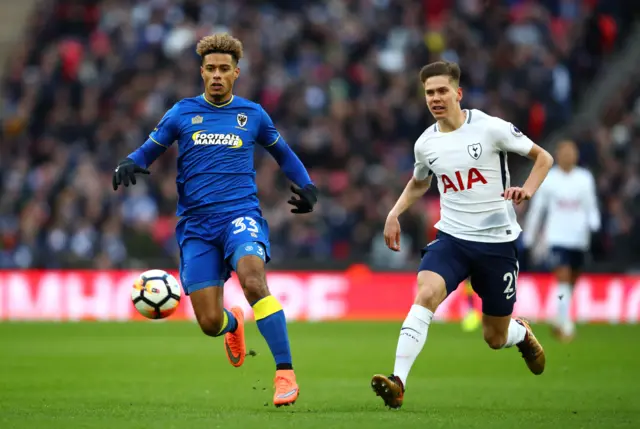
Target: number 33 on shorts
{"type": "Point", "coordinates": [246, 223]}
{"type": "Point", "coordinates": [248, 229]}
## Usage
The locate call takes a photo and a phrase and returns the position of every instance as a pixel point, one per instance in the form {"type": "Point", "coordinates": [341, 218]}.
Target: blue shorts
{"type": "Point", "coordinates": [563, 256]}
{"type": "Point", "coordinates": [492, 268]}
{"type": "Point", "coordinates": [210, 246]}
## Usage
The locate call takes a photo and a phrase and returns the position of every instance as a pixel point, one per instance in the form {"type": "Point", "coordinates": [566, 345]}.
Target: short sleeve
{"type": "Point", "coordinates": [510, 139]}
{"type": "Point", "coordinates": [267, 134]}
{"type": "Point", "coordinates": [420, 169]}
{"type": "Point", "coordinates": [166, 132]}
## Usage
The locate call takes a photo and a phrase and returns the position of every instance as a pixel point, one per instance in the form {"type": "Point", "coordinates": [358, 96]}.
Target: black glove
{"type": "Point", "coordinates": [125, 172]}
{"type": "Point", "coordinates": [308, 198]}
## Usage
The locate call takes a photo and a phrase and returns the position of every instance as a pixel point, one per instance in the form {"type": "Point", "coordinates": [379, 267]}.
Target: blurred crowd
{"type": "Point", "coordinates": [340, 79]}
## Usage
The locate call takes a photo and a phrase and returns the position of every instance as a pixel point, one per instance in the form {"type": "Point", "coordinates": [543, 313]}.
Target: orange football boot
{"type": "Point", "coordinates": [287, 390]}
{"type": "Point", "coordinates": [234, 344]}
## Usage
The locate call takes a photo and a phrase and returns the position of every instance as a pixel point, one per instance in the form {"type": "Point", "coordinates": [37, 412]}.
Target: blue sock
{"type": "Point", "coordinates": [273, 327]}
{"type": "Point", "coordinates": [229, 323]}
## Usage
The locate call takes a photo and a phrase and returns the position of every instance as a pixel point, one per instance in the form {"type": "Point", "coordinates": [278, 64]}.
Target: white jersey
{"type": "Point", "coordinates": [470, 164]}
{"type": "Point", "coordinates": [570, 202]}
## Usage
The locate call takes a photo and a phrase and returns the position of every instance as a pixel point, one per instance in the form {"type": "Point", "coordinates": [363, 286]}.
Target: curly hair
{"type": "Point", "coordinates": [221, 43]}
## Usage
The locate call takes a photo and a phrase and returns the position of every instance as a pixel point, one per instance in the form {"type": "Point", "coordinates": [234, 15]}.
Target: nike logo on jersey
{"type": "Point", "coordinates": [431, 161]}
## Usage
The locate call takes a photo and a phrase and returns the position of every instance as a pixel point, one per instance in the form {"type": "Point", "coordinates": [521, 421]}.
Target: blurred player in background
{"type": "Point", "coordinates": [467, 151]}
{"type": "Point", "coordinates": [568, 197]}
{"type": "Point", "coordinates": [472, 319]}
{"type": "Point", "coordinates": [221, 226]}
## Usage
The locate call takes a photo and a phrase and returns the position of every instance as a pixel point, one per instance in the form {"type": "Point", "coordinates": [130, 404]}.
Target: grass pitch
{"type": "Point", "coordinates": [168, 375]}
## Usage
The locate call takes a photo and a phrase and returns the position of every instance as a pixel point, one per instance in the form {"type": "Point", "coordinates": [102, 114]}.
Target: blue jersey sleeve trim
{"type": "Point", "coordinates": [147, 153]}
{"type": "Point", "coordinates": [271, 144]}
{"type": "Point", "coordinates": [157, 142]}
{"type": "Point", "coordinates": [168, 128]}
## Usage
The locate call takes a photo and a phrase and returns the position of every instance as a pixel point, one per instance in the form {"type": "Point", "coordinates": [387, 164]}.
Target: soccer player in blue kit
{"type": "Point", "coordinates": [221, 227]}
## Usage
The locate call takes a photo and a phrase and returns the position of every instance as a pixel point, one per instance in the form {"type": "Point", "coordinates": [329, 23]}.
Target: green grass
{"type": "Point", "coordinates": [168, 375]}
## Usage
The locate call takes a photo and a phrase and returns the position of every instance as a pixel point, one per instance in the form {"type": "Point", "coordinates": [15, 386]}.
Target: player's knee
{"type": "Point", "coordinates": [254, 286]}
{"type": "Point", "coordinates": [431, 291]}
{"type": "Point", "coordinates": [211, 323]}
{"type": "Point", "coordinates": [495, 340]}
{"type": "Point", "coordinates": [428, 297]}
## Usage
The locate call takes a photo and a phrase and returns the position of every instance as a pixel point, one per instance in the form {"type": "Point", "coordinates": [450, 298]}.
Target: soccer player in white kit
{"type": "Point", "coordinates": [568, 197]}
{"type": "Point", "coordinates": [466, 150]}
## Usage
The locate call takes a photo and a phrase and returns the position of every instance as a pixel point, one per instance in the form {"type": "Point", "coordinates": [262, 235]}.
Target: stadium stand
{"type": "Point", "coordinates": [339, 78]}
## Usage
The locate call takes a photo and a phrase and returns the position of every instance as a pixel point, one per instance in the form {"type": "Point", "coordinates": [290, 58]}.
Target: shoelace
{"type": "Point", "coordinates": [282, 383]}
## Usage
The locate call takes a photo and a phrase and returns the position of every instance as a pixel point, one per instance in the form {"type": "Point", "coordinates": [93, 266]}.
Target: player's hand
{"type": "Point", "coordinates": [392, 233]}
{"type": "Point", "coordinates": [125, 173]}
{"type": "Point", "coordinates": [308, 198]}
{"type": "Point", "coordinates": [516, 194]}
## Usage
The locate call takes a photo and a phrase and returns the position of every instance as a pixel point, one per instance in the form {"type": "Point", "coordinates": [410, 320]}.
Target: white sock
{"type": "Point", "coordinates": [565, 292]}
{"type": "Point", "coordinates": [413, 335]}
{"type": "Point", "coordinates": [515, 334]}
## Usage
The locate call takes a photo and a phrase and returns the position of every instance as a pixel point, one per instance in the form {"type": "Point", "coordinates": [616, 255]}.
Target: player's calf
{"type": "Point", "coordinates": [563, 327]}
{"type": "Point", "coordinates": [505, 331]}
{"type": "Point", "coordinates": [496, 330]}
{"type": "Point", "coordinates": [413, 336]}
{"type": "Point", "coordinates": [210, 323]}
{"type": "Point", "coordinates": [214, 320]}
{"type": "Point", "coordinates": [271, 322]}
{"type": "Point", "coordinates": [495, 340]}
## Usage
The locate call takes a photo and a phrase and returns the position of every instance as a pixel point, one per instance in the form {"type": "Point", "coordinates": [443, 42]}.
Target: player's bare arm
{"type": "Point", "coordinates": [414, 190]}
{"type": "Point", "coordinates": [543, 161]}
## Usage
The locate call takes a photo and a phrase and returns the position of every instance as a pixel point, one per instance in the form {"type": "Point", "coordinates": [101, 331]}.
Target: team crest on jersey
{"type": "Point", "coordinates": [515, 131]}
{"type": "Point", "coordinates": [242, 119]}
{"type": "Point", "coordinates": [197, 119]}
{"type": "Point", "coordinates": [475, 150]}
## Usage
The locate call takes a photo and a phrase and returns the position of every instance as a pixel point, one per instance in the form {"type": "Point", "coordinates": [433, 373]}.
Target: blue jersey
{"type": "Point", "coordinates": [215, 152]}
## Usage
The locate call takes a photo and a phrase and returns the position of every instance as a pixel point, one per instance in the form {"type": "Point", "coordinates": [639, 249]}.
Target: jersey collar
{"type": "Point", "coordinates": [218, 105]}
{"type": "Point", "coordinates": [467, 121]}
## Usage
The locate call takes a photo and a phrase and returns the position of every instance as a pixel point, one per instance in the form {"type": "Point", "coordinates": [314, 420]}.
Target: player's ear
{"type": "Point", "coordinates": [459, 96]}
{"type": "Point", "coordinates": [236, 72]}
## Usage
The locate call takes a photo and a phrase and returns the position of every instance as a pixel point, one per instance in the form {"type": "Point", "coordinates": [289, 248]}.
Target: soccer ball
{"type": "Point", "coordinates": [156, 294]}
